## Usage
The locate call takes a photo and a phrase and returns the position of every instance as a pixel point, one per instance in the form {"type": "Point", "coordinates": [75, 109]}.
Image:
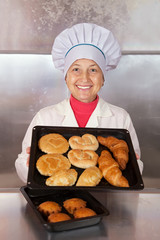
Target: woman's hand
{"type": "Point", "coordinates": [137, 156]}
{"type": "Point", "coordinates": [28, 152]}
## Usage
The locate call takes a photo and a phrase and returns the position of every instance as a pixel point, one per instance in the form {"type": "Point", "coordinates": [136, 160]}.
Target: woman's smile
{"type": "Point", "coordinates": [83, 87]}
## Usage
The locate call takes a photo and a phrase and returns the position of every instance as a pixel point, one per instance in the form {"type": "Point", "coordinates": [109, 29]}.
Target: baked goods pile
{"type": "Point", "coordinates": [71, 209]}
{"type": "Point", "coordinates": [62, 158]}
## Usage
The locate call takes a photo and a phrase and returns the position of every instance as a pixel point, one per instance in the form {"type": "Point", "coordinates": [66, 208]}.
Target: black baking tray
{"type": "Point", "coordinates": [35, 197]}
{"type": "Point", "coordinates": [132, 173]}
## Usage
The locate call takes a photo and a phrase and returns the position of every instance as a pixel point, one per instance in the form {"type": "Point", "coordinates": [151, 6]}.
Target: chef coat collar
{"type": "Point", "coordinates": [102, 110]}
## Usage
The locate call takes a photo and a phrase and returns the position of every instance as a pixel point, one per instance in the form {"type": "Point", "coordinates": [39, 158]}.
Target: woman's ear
{"type": "Point", "coordinates": [65, 78]}
{"type": "Point", "coordinates": [103, 82]}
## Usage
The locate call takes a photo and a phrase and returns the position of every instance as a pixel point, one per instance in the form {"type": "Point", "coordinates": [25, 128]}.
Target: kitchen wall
{"type": "Point", "coordinates": [29, 81]}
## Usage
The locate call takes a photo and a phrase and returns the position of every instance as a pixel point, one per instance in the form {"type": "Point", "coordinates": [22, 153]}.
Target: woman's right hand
{"type": "Point", "coordinates": [28, 152]}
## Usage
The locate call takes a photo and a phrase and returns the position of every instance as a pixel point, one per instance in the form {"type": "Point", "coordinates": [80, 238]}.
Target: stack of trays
{"type": "Point", "coordinates": [37, 191]}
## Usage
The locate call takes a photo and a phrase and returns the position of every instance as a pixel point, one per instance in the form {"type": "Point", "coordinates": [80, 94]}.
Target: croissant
{"type": "Point", "coordinates": [110, 170]}
{"type": "Point", "coordinates": [118, 147]}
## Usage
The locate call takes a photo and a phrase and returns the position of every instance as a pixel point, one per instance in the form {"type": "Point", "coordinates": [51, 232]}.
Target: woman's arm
{"type": "Point", "coordinates": [131, 129]}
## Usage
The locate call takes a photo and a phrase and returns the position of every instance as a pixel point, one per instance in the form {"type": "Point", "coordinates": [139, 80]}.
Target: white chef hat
{"type": "Point", "coordinates": [86, 40]}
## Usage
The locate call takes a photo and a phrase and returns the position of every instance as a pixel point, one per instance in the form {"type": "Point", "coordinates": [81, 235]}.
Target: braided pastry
{"type": "Point", "coordinates": [86, 142]}
{"type": "Point", "coordinates": [110, 170]}
{"type": "Point", "coordinates": [118, 147]}
{"type": "Point", "coordinates": [83, 158]}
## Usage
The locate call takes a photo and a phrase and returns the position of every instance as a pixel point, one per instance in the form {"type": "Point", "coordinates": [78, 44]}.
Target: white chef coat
{"type": "Point", "coordinates": [105, 115]}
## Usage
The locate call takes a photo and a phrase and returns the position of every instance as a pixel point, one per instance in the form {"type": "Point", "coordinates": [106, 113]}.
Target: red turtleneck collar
{"type": "Point", "coordinates": [82, 111]}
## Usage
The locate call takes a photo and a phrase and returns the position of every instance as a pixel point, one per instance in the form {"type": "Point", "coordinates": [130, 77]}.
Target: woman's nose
{"type": "Point", "coordinates": [85, 76]}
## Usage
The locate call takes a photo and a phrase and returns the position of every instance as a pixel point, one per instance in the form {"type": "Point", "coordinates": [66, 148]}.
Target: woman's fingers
{"type": "Point", "coordinates": [28, 152]}
{"type": "Point", "coordinates": [137, 156]}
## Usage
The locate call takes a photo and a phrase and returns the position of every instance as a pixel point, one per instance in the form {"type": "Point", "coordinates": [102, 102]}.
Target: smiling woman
{"type": "Point", "coordinates": [84, 53]}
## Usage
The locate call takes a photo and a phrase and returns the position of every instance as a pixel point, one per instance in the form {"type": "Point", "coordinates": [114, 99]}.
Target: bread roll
{"type": "Point", "coordinates": [49, 207]}
{"type": "Point", "coordinates": [86, 142]}
{"type": "Point", "coordinates": [49, 163]}
{"type": "Point", "coordinates": [90, 177]}
{"type": "Point", "coordinates": [83, 158]}
{"type": "Point", "coordinates": [73, 204]}
{"type": "Point", "coordinates": [62, 178]}
{"type": "Point", "coordinates": [53, 143]}
{"type": "Point", "coordinates": [84, 212]}
{"type": "Point", "coordinates": [58, 217]}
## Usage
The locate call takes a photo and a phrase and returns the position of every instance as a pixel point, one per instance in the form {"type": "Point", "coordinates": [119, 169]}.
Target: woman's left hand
{"type": "Point", "coordinates": [28, 152]}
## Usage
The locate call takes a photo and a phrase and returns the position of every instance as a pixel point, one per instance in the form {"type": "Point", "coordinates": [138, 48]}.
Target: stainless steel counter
{"type": "Point", "coordinates": [133, 215]}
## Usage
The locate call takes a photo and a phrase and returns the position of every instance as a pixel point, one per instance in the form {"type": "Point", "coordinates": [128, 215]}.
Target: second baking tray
{"type": "Point", "coordinates": [132, 173]}
{"type": "Point", "coordinates": [35, 197]}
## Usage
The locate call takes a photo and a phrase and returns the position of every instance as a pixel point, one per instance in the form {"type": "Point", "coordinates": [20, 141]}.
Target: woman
{"type": "Point", "coordinates": [84, 52]}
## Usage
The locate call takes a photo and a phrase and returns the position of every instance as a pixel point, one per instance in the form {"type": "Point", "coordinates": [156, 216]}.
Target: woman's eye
{"type": "Point", "coordinates": [75, 69]}
{"type": "Point", "coordinates": [93, 70]}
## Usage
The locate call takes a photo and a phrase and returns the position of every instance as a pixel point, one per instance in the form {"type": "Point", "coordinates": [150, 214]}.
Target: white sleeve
{"type": "Point", "coordinates": [140, 164]}
{"type": "Point", "coordinates": [131, 129]}
{"type": "Point", "coordinates": [21, 161]}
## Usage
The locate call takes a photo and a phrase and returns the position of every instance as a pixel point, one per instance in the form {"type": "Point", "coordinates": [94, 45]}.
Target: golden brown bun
{"type": "Point", "coordinates": [62, 178]}
{"type": "Point", "coordinates": [118, 147]}
{"type": "Point", "coordinates": [110, 170]}
{"type": "Point", "coordinates": [49, 163]}
{"type": "Point", "coordinates": [86, 142]}
{"type": "Point", "coordinates": [73, 204]}
{"type": "Point", "coordinates": [84, 212]}
{"type": "Point", "coordinates": [49, 207]}
{"type": "Point", "coordinates": [90, 177]}
{"type": "Point", "coordinates": [83, 158]}
{"type": "Point", "coordinates": [53, 143]}
{"type": "Point", "coordinates": [58, 217]}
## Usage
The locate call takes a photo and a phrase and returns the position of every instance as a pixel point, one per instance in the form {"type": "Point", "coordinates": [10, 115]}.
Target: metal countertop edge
{"type": "Point", "coordinates": [145, 190]}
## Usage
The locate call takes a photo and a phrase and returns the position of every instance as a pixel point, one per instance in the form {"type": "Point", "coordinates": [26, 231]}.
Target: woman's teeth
{"type": "Point", "coordinates": [84, 87]}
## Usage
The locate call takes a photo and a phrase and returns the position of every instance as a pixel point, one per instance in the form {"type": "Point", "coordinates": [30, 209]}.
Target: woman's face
{"type": "Point", "coordinates": [84, 80]}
